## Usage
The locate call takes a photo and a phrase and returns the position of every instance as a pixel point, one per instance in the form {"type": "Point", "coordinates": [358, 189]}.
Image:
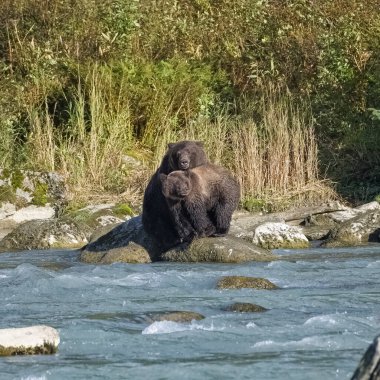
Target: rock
{"type": "Point", "coordinates": [279, 235]}
{"type": "Point", "coordinates": [243, 224]}
{"type": "Point", "coordinates": [132, 253]}
{"type": "Point", "coordinates": [176, 316]}
{"type": "Point", "coordinates": [242, 307]}
{"type": "Point", "coordinates": [369, 366]}
{"type": "Point", "coordinates": [361, 229]}
{"type": "Point", "coordinates": [124, 242]}
{"type": "Point", "coordinates": [315, 232]}
{"type": "Point", "coordinates": [45, 234]}
{"type": "Point", "coordinates": [350, 213]}
{"type": "Point", "coordinates": [28, 341]}
{"type": "Point", "coordinates": [24, 187]}
{"type": "Point", "coordinates": [96, 216]}
{"type": "Point", "coordinates": [240, 282]}
{"type": "Point", "coordinates": [227, 249]}
{"type": "Point", "coordinates": [131, 241]}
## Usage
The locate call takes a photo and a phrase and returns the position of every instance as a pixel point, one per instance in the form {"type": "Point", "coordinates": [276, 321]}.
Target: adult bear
{"type": "Point", "coordinates": [156, 217]}
{"type": "Point", "coordinates": [201, 200]}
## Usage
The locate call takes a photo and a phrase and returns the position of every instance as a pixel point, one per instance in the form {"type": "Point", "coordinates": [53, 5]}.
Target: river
{"type": "Point", "coordinates": [318, 324]}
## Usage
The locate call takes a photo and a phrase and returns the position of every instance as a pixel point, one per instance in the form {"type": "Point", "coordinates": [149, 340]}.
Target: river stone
{"type": "Point", "coordinates": [315, 232]}
{"type": "Point", "coordinates": [28, 341]}
{"type": "Point", "coordinates": [126, 242]}
{"type": "Point", "coordinates": [369, 366]}
{"type": "Point", "coordinates": [46, 234]}
{"type": "Point", "coordinates": [279, 235]}
{"type": "Point", "coordinates": [132, 254]}
{"type": "Point", "coordinates": [363, 228]}
{"type": "Point", "coordinates": [243, 307]}
{"type": "Point", "coordinates": [227, 249]}
{"type": "Point", "coordinates": [134, 241]}
{"type": "Point", "coordinates": [176, 316]}
{"type": "Point", "coordinates": [350, 213]}
{"type": "Point", "coordinates": [240, 282]}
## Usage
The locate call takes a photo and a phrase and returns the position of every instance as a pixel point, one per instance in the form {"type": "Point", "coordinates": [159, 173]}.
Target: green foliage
{"type": "Point", "coordinates": [254, 205]}
{"type": "Point", "coordinates": [123, 209]}
{"type": "Point", "coordinates": [83, 82]}
{"type": "Point", "coordinates": [39, 195]}
{"type": "Point", "coordinates": [377, 198]}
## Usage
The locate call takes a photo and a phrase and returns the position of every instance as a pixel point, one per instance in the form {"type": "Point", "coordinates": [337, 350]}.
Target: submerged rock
{"type": "Point", "coordinates": [369, 366]}
{"type": "Point", "coordinates": [176, 316]}
{"type": "Point", "coordinates": [241, 282]}
{"type": "Point", "coordinates": [28, 341]}
{"type": "Point", "coordinates": [243, 307]}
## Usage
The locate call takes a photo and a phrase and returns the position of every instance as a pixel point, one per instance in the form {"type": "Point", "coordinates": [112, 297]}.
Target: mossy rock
{"type": "Point", "coordinates": [131, 254]}
{"type": "Point", "coordinates": [176, 316]}
{"type": "Point", "coordinates": [243, 307]}
{"type": "Point", "coordinates": [45, 349]}
{"type": "Point", "coordinates": [228, 249]}
{"type": "Point", "coordinates": [241, 282]}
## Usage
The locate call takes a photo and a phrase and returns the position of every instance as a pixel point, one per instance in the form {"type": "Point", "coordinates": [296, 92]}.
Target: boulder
{"type": "Point", "coordinates": [240, 282]}
{"type": "Point", "coordinates": [28, 341]}
{"type": "Point", "coordinates": [244, 307]}
{"type": "Point", "coordinates": [361, 229]}
{"type": "Point", "coordinates": [128, 242]}
{"type": "Point", "coordinates": [24, 187]}
{"type": "Point", "coordinates": [369, 366]}
{"type": "Point", "coordinates": [350, 213]}
{"type": "Point", "coordinates": [279, 235]}
{"type": "Point", "coordinates": [176, 316]}
{"type": "Point", "coordinates": [227, 249]}
{"type": "Point", "coordinates": [46, 234]}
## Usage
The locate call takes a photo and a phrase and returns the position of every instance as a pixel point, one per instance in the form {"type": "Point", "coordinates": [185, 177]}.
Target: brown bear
{"type": "Point", "coordinates": [156, 217]}
{"type": "Point", "coordinates": [201, 200]}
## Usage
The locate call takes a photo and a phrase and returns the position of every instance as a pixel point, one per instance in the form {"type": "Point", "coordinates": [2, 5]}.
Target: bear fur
{"type": "Point", "coordinates": [156, 216]}
{"type": "Point", "coordinates": [201, 200]}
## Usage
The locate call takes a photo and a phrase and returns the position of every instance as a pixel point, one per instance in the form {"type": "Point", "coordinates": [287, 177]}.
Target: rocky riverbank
{"type": "Point", "coordinates": [109, 233]}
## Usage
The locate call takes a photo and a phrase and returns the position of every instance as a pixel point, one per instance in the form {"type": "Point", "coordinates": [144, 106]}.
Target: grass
{"type": "Point", "coordinates": [275, 159]}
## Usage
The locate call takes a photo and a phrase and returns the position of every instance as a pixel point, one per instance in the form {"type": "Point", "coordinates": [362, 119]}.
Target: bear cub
{"type": "Point", "coordinates": [156, 216]}
{"type": "Point", "coordinates": [201, 200]}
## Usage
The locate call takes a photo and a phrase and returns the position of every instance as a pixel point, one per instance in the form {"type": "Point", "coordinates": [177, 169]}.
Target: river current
{"type": "Point", "coordinates": [318, 324]}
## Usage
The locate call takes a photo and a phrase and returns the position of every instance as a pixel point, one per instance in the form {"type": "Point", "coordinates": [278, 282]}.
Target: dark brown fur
{"type": "Point", "coordinates": [156, 217]}
{"type": "Point", "coordinates": [201, 200]}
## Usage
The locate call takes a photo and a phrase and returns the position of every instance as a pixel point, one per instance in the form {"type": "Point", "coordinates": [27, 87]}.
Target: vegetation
{"type": "Point", "coordinates": [282, 92]}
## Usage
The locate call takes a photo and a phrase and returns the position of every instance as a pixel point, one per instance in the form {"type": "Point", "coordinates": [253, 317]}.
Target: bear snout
{"type": "Point", "coordinates": [184, 164]}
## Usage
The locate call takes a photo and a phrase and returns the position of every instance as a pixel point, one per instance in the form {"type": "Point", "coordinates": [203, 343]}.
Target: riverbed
{"type": "Point", "coordinates": [317, 326]}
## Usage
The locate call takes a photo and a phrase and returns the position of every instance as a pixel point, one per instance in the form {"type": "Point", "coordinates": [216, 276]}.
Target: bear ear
{"type": "Point", "coordinates": [163, 177]}
{"type": "Point", "coordinates": [199, 143]}
{"type": "Point", "coordinates": [171, 145]}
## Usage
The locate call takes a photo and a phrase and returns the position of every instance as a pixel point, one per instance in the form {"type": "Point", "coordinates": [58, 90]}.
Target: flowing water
{"type": "Point", "coordinates": [318, 324]}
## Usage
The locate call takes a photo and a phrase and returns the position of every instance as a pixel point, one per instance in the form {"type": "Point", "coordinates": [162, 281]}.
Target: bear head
{"type": "Point", "coordinates": [176, 185]}
{"type": "Point", "coordinates": [185, 155]}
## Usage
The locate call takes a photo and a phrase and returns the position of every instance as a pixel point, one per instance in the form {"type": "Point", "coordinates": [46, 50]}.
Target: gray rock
{"type": "Point", "coordinates": [45, 234]}
{"type": "Point", "coordinates": [240, 282]}
{"type": "Point", "coordinates": [28, 341]}
{"type": "Point", "coordinates": [228, 249]}
{"type": "Point", "coordinates": [176, 316]}
{"type": "Point", "coordinates": [361, 229]}
{"type": "Point", "coordinates": [129, 240]}
{"type": "Point", "coordinates": [244, 307]}
{"type": "Point", "coordinates": [350, 213]}
{"type": "Point", "coordinates": [369, 366]}
{"type": "Point", "coordinates": [279, 235]}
